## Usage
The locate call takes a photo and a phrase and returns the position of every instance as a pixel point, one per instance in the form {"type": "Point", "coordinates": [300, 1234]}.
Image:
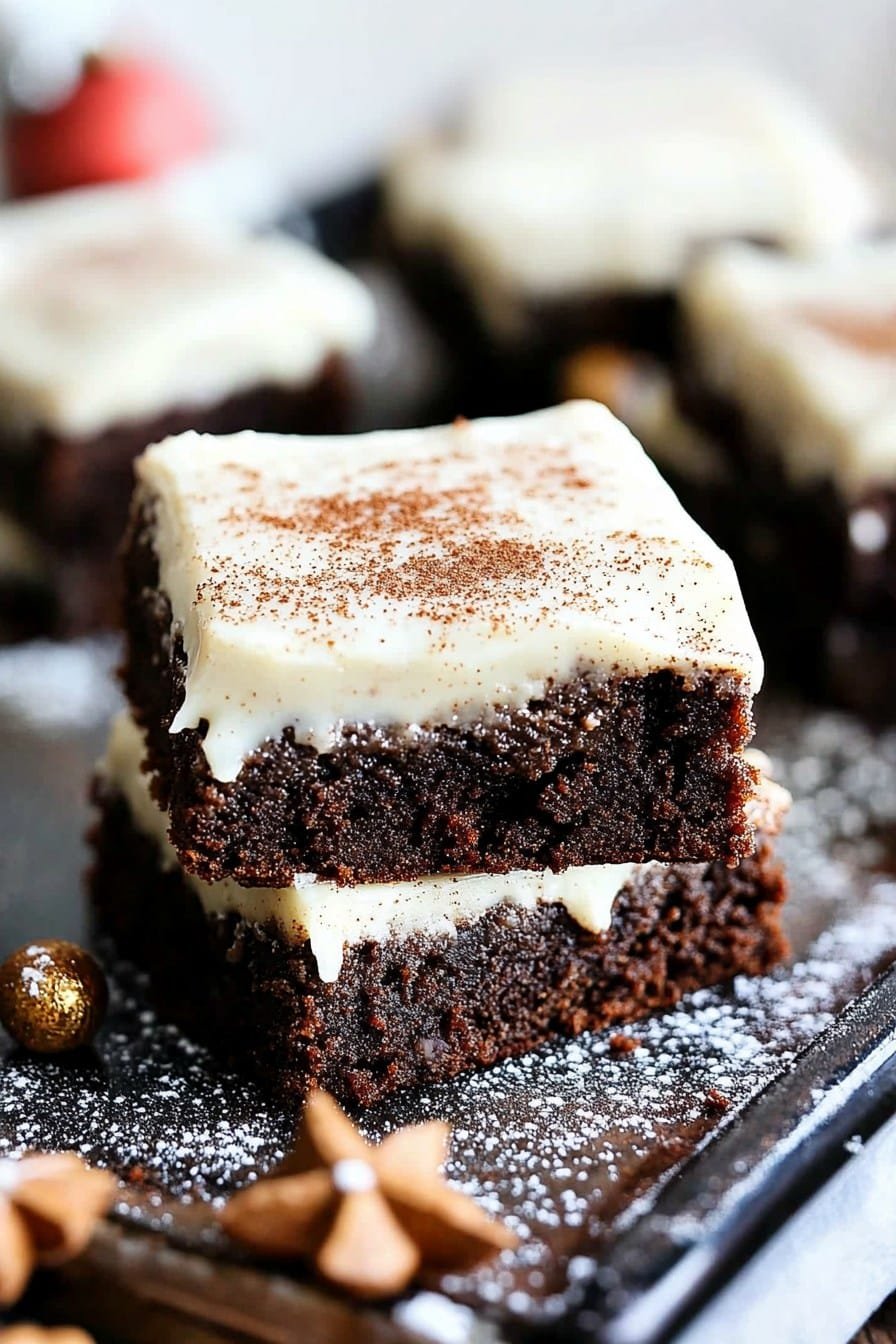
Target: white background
{"type": "Point", "coordinates": [324, 84]}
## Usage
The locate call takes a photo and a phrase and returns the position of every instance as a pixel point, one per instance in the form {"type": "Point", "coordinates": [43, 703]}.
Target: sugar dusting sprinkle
{"type": "Point", "coordinates": [560, 1142]}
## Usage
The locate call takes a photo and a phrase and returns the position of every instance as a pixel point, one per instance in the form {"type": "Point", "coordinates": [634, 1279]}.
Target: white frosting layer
{"type": "Point", "coordinates": [559, 186]}
{"type": "Point", "coordinates": [114, 307]}
{"type": "Point", "coordinates": [808, 351]}
{"type": "Point", "coordinates": [425, 577]}
{"type": "Point", "coordinates": [332, 917]}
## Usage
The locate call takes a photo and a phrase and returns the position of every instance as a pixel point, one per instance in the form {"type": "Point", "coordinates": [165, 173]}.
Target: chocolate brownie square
{"type": "Point", "coordinates": [565, 210]}
{"type": "Point", "coordinates": [369, 989]}
{"type": "Point", "coordinates": [481, 648]}
{"type": "Point", "coordinates": [777, 425]}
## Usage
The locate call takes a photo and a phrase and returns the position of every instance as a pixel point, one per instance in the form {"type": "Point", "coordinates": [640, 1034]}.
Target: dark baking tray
{"type": "Point", "coordinates": [640, 1202]}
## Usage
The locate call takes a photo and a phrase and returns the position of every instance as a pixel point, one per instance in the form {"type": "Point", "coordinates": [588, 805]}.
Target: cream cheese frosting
{"type": "Point", "coordinates": [421, 577]}
{"type": "Point", "coordinates": [807, 349]}
{"type": "Point", "coordinates": [115, 307]}
{"type": "Point", "coordinates": [561, 185]}
{"type": "Point", "coordinates": [332, 917]}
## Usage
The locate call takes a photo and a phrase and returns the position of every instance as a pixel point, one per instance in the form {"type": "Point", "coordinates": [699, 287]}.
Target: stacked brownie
{"type": "Point", "coordinates": [565, 210]}
{"type": "Point", "coordinates": [123, 319]}
{"type": "Point", "coordinates": [778, 425]}
{"type": "Point", "coordinates": [435, 748]}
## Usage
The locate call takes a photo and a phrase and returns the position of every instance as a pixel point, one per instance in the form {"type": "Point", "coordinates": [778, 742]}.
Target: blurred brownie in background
{"type": "Point", "coordinates": [123, 320]}
{"type": "Point", "coordinates": [564, 210]}
{"type": "Point", "coordinates": [778, 427]}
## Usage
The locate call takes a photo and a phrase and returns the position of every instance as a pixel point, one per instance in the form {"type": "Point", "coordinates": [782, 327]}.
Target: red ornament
{"type": "Point", "coordinates": [126, 119]}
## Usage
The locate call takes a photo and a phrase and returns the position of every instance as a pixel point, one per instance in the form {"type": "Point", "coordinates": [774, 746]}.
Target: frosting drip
{"type": "Point", "coordinates": [332, 917]}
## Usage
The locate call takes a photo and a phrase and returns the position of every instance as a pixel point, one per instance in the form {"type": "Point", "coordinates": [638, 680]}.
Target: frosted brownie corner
{"type": "Point", "coordinates": [489, 647]}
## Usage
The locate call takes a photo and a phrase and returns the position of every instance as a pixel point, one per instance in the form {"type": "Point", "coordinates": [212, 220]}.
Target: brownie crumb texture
{"type": "Point", "coordinates": [621, 771]}
{"type": "Point", "coordinates": [422, 1008]}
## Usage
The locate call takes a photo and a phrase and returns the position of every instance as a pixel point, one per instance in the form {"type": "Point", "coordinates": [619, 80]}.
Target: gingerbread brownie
{"type": "Point", "coordinates": [778, 427]}
{"type": "Point", "coordinates": [123, 320]}
{"type": "Point", "coordinates": [561, 211]}
{"type": "Point", "coordinates": [490, 646]}
{"type": "Point", "coordinates": [366, 990]}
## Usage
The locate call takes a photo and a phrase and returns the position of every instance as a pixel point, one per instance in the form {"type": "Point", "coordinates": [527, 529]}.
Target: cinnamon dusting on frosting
{"type": "Point", "coordinates": [441, 553]}
{"type": "Point", "coordinates": [805, 348]}
{"type": "Point", "coordinates": [436, 551]}
{"type": "Point", "coordinates": [871, 333]}
{"type": "Point", "coordinates": [82, 283]}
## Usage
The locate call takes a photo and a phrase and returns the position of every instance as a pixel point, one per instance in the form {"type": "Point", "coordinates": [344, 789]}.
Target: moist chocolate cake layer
{"type": "Point", "coordinates": [423, 1008]}
{"type": "Point", "coordinates": [74, 493]}
{"type": "Point", "coordinates": [631, 769]}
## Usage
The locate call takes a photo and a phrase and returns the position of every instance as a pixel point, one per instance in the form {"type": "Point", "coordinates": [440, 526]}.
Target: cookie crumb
{"type": "Point", "coordinates": [622, 1044]}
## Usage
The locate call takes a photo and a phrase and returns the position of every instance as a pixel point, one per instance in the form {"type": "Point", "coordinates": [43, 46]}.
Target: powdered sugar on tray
{"type": "Point", "coordinates": [565, 1142]}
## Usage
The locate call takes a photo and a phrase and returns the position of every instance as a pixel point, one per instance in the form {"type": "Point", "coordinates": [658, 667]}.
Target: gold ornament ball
{"type": "Point", "coordinates": [53, 996]}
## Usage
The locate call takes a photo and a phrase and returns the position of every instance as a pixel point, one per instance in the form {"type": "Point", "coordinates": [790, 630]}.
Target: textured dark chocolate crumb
{"type": "Point", "coordinates": [717, 1101]}
{"type": "Point", "coordinates": [631, 769]}
{"type": "Point", "coordinates": [423, 1008]}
